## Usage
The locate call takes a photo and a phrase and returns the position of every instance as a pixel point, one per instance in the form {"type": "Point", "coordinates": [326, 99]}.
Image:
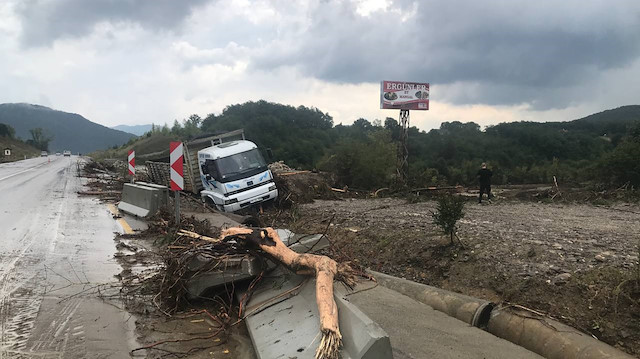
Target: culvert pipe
{"type": "Point", "coordinates": [539, 334]}
{"type": "Point", "coordinates": [473, 311]}
{"type": "Point", "coordinates": [547, 337]}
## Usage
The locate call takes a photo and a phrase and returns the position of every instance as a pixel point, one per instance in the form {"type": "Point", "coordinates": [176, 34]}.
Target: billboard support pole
{"type": "Point", "coordinates": [402, 170]}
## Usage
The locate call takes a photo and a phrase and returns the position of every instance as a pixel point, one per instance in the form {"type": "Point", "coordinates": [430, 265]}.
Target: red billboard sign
{"type": "Point", "coordinates": [404, 95]}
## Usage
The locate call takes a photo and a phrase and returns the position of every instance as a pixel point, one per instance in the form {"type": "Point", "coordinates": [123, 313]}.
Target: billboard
{"type": "Point", "coordinates": [404, 95]}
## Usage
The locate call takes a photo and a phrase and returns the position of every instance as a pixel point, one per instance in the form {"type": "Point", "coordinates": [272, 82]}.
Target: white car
{"type": "Point", "coordinates": [44, 154]}
{"type": "Point", "coordinates": [67, 153]}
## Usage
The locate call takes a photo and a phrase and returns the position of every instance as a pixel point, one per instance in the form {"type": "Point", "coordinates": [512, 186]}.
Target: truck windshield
{"type": "Point", "coordinates": [240, 165]}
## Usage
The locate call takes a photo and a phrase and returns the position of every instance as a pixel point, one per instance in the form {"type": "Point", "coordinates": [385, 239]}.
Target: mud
{"type": "Point", "coordinates": [576, 262]}
{"type": "Point", "coordinates": [57, 291]}
{"type": "Point", "coordinates": [194, 330]}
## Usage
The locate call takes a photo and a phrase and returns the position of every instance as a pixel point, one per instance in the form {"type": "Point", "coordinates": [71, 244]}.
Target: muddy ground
{"type": "Point", "coordinates": [192, 331]}
{"type": "Point", "coordinates": [198, 328]}
{"type": "Point", "coordinates": [576, 262]}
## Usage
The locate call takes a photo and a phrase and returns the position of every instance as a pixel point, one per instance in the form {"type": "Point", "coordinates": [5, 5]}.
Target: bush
{"type": "Point", "coordinates": [367, 163]}
{"type": "Point", "coordinates": [449, 210]}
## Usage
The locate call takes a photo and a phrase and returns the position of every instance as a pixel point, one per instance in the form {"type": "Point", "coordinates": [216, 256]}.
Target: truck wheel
{"type": "Point", "coordinates": [208, 201]}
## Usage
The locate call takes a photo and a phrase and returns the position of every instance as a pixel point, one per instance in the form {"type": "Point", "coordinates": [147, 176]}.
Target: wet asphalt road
{"type": "Point", "coordinates": [58, 296]}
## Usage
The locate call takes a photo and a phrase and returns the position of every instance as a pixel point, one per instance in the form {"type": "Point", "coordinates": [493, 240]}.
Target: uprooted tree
{"type": "Point", "coordinates": [449, 210]}
{"type": "Point", "coordinates": [325, 270]}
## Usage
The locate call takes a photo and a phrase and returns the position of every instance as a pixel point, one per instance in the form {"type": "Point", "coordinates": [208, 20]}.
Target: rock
{"type": "Point", "coordinates": [561, 278]}
{"type": "Point", "coordinates": [553, 268]}
{"type": "Point", "coordinates": [600, 258]}
{"type": "Point", "coordinates": [557, 246]}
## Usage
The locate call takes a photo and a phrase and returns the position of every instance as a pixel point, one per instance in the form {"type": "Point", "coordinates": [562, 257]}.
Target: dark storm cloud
{"type": "Point", "coordinates": [45, 21]}
{"type": "Point", "coordinates": [517, 51]}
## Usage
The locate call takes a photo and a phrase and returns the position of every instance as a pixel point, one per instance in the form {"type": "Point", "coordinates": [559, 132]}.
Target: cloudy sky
{"type": "Point", "coordinates": [491, 61]}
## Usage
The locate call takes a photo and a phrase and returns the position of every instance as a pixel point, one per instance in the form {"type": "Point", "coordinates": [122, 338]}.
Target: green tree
{"type": "Point", "coordinates": [622, 165]}
{"type": "Point", "coordinates": [7, 131]}
{"type": "Point", "coordinates": [363, 163]}
{"type": "Point", "coordinates": [449, 210]}
{"type": "Point", "coordinates": [40, 139]}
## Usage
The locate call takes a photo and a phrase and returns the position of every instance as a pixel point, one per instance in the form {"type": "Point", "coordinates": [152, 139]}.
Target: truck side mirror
{"type": "Point", "coordinates": [269, 154]}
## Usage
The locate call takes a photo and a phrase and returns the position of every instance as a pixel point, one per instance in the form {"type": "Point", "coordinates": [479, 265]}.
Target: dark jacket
{"type": "Point", "coordinates": [484, 174]}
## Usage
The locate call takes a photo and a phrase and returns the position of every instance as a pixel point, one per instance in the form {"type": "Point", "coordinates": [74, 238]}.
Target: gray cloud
{"type": "Point", "coordinates": [511, 49]}
{"type": "Point", "coordinates": [44, 21]}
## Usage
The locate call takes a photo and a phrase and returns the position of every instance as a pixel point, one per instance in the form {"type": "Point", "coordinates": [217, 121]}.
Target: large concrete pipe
{"type": "Point", "coordinates": [470, 310]}
{"type": "Point", "coordinates": [549, 338]}
{"type": "Point", "coordinates": [541, 335]}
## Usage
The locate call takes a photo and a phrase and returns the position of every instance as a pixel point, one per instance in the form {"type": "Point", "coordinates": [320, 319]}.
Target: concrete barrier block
{"type": "Point", "coordinates": [232, 269]}
{"type": "Point", "coordinates": [139, 200]}
{"type": "Point", "coordinates": [164, 191]}
{"type": "Point", "coordinates": [283, 322]}
{"type": "Point", "coordinates": [361, 336]}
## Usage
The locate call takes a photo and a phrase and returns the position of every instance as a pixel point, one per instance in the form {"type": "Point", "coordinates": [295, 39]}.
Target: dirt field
{"type": "Point", "coordinates": [576, 262]}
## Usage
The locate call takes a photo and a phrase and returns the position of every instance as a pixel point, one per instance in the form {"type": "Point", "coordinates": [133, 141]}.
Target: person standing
{"type": "Point", "coordinates": [484, 177]}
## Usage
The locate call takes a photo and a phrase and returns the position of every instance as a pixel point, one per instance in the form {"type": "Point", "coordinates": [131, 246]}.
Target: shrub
{"type": "Point", "coordinates": [449, 210]}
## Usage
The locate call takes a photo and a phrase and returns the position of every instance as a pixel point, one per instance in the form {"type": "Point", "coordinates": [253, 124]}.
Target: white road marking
{"type": "Point", "coordinates": [17, 173]}
{"type": "Point", "coordinates": [23, 171]}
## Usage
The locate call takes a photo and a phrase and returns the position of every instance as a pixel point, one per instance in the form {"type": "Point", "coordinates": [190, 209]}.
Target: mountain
{"type": "Point", "coordinates": [610, 122]}
{"type": "Point", "coordinates": [137, 130]}
{"type": "Point", "coordinates": [70, 131]}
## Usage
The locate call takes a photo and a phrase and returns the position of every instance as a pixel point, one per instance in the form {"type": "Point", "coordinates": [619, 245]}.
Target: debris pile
{"type": "Point", "coordinates": [103, 181]}
{"type": "Point", "coordinates": [295, 187]}
{"type": "Point", "coordinates": [323, 268]}
{"type": "Point", "coordinates": [280, 167]}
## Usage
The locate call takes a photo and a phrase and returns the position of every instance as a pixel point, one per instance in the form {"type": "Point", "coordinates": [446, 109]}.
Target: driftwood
{"type": "Point", "coordinates": [325, 270]}
{"type": "Point", "coordinates": [555, 182]}
{"type": "Point", "coordinates": [194, 235]}
{"type": "Point", "coordinates": [292, 173]}
{"type": "Point", "coordinates": [93, 193]}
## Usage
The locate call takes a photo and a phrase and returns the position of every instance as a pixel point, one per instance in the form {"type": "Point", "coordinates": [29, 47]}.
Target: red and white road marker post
{"type": "Point", "coordinates": [132, 164]}
{"type": "Point", "coordinates": [176, 159]}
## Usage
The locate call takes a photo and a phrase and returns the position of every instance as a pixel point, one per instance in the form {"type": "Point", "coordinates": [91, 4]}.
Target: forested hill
{"type": "Point", "coordinates": [69, 131]}
{"type": "Point", "coordinates": [363, 154]}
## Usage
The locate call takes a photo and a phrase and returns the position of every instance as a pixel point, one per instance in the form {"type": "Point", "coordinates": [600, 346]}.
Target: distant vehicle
{"type": "Point", "coordinates": [234, 176]}
{"type": "Point", "coordinates": [44, 154]}
{"type": "Point", "coordinates": [67, 153]}
{"type": "Point", "coordinates": [57, 153]}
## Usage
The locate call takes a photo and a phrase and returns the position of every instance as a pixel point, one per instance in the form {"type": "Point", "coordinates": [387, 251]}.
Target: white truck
{"type": "Point", "coordinates": [234, 176]}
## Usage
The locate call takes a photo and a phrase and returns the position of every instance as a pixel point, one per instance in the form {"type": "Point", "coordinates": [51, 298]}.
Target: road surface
{"type": "Point", "coordinates": [56, 266]}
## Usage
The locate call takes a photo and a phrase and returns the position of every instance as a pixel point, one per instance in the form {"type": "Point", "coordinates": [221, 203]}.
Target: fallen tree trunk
{"type": "Point", "coordinates": [325, 270]}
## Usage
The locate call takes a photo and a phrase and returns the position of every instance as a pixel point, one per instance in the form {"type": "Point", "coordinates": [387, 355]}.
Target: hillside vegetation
{"type": "Point", "coordinates": [18, 148]}
{"type": "Point", "coordinates": [601, 149]}
{"type": "Point", "coordinates": [363, 154]}
{"type": "Point", "coordinates": [153, 145]}
{"type": "Point", "coordinates": [68, 131]}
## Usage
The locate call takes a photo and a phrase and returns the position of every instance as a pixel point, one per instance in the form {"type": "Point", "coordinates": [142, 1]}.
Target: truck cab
{"type": "Point", "coordinates": [234, 176]}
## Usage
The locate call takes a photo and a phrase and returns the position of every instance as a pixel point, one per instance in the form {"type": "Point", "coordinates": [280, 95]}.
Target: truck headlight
{"type": "Point", "coordinates": [229, 201]}
{"type": "Point", "coordinates": [272, 188]}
